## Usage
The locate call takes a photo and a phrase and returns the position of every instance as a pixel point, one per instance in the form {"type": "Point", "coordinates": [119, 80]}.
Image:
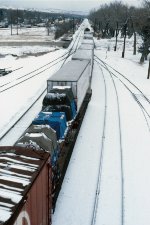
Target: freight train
{"type": "Point", "coordinates": [32, 171]}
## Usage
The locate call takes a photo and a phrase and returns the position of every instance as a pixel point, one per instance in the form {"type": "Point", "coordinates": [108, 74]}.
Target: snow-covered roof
{"type": "Point", "coordinates": [88, 36]}
{"type": "Point", "coordinates": [45, 129]}
{"type": "Point", "coordinates": [88, 41]}
{"type": "Point", "coordinates": [86, 46]}
{"type": "Point", "coordinates": [39, 138]}
{"type": "Point", "coordinates": [18, 169]}
{"type": "Point", "coordinates": [83, 54]}
{"type": "Point", "coordinates": [71, 71]}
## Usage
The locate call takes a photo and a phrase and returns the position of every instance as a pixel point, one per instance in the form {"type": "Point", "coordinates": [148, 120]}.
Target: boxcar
{"type": "Point", "coordinates": [25, 186]}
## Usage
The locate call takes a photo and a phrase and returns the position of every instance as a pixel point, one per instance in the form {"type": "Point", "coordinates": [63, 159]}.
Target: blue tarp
{"type": "Point", "coordinates": [56, 120]}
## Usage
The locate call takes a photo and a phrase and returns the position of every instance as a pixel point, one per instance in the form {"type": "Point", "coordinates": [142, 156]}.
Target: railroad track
{"type": "Point", "coordinates": [97, 201]}
{"type": "Point", "coordinates": [131, 87]}
{"type": "Point", "coordinates": [43, 68]}
{"type": "Point", "coordinates": [10, 135]}
{"type": "Point", "coordinates": [145, 109]}
{"type": "Point", "coordinates": [30, 75]}
{"type": "Point", "coordinates": [97, 194]}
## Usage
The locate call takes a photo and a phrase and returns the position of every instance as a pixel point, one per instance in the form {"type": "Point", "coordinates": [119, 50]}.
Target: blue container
{"type": "Point", "coordinates": [56, 120]}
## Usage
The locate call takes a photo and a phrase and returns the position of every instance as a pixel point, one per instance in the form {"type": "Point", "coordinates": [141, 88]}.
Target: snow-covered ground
{"type": "Point", "coordinates": [15, 101]}
{"type": "Point", "coordinates": [24, 33]}
{"type": "Point", "coordinates": [131, 144]}
{"type": "Point", "coordinates": [124, 167]}
{"type": "Point", "coordinates": [19, 45]}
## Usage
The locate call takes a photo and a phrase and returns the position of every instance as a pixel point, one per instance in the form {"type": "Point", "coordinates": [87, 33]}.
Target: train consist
{"type": "Point", "coordinates": [32, 171]}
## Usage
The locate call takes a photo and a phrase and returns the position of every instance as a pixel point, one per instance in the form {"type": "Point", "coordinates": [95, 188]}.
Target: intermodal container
{"type": "Point", "coordinates": [75, 74]}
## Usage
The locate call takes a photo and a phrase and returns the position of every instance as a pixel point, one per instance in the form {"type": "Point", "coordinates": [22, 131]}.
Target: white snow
{"type": "Point", "coordinates": [75, 202]}
{"type": "Point", "coordinates": [76, 199]}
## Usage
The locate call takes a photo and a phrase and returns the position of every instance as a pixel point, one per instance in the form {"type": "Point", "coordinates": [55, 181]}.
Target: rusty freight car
{"type": "Point", "coordinates": [25, 186]}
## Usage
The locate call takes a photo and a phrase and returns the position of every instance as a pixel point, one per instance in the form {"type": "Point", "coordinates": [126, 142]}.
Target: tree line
{"type": "Point", "coordinates": [111, 19]}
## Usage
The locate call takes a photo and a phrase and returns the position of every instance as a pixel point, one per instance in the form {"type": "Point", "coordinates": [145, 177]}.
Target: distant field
{"type": "Point", "coordinates": [29, 41]}
{"type": "Point", "coordinates": [24, 33]}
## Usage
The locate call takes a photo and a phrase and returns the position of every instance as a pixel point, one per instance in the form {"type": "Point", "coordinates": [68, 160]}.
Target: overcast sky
{"type": "Point", "coordinates": [73, 5]}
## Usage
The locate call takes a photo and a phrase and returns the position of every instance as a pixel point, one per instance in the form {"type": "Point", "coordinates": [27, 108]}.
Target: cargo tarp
{"type": "Point", "coordinates": [56, 99]}
{"type": "Point", "coordinates": [56, 120]}
{"type": "Point", "coordinates": [60, 108]}
{"type": "Point", "coordinates": [47, 130]}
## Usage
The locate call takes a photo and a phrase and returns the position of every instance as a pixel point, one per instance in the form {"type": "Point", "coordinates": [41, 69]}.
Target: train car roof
{"type": "Point", "coordinates": [46, 129]}
{"type": "Point", "coordinates": [88, 41]}
{"type": "Point", "coordinates": [86, 47]}
{"type": "Point", "coordinates": [71, 71]}
{"type": "Point", "coordinates": [19, 167]}
{"type": "Point", "coordinates": [88, 36]}
{"type": "Point", "coordinates": [82, 55]}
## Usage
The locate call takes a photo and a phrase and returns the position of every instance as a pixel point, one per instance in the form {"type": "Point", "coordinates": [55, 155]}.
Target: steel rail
{"type": "Point", "coordinates": [121, 150]}
{"type": "Point", "coordinates": [148, 100]}
{"type": "Point", "coordinates": [33, 71]}
{"type": "Point", "coordinates": [95, 208]}
{"type": "Point", "coordinates": [67, 54]}
{"type": "Point", "coordinates": [33, 102]}
{"type": "Point", "coordinates": [30, 77]}
{"type": "Point", "coordinates": [144, 111]}
{"type": "Point", "coordinates": [14, 124]}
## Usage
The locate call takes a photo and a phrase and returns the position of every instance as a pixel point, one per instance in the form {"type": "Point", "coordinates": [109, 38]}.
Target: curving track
{"type": "Point", "coordinates": [139, 97]}
{"type": "Point", "coordinates": [107, 181]}
{"type": "Point", "coordinates": [111, 137]}
{"type": "Point", "coordinates": [93, 182]}
{"type": "Point", "coordinates": [39, 71]}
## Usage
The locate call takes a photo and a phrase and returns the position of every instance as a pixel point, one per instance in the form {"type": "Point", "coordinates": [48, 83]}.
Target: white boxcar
{"type": "Point", "coordinates": [82, 54]}
{"type": "Point", "coordinates": [87, 41]}
{"type": "Point", "coordinates": [88, 36]}
{"type": "Point", "coordinates": [86, 47]}
{"type": "Point", "coordinates": [75, 74]}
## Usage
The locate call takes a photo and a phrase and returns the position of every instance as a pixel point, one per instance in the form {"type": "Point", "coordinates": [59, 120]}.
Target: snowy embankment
{"type": "Point", "coordinates": [124, 197]}
{"type": "Point", "coordinates": [16, 100]}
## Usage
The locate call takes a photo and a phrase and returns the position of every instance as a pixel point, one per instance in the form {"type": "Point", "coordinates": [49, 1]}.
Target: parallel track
{"type": "Point", "coordinates": [71, 51]}
{"type": "Point", "coordinates": [44, 67]}
{"type": "Point", "coordinates": [144, 111]}
{"type": "Point", "coordinates": [97, 200]}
